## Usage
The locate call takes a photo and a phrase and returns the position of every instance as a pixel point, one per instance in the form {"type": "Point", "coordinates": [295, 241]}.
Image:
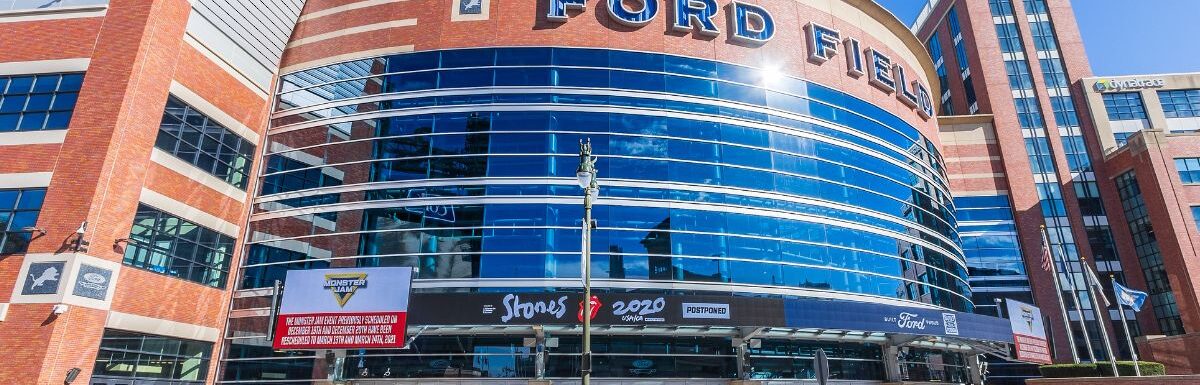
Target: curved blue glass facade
{"type": "Point", "coordinates": [715, 177]}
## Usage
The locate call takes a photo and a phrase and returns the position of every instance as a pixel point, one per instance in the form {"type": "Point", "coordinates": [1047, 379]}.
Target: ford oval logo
{"type": "Point", "coordinates": [643, 364]}
{"type": "Point", "coordinates": [439, 364]}
{"type": "Point", "coordinates": [94, 278]}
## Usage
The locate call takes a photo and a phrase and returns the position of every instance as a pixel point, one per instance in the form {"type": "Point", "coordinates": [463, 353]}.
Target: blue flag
{"type": "Point", "coordinates": [1129, 297]}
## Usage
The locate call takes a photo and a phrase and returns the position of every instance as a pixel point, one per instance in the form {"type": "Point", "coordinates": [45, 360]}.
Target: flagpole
{"type": "Point", "coordinates": [1062, 305]}
{"type": "Point", "coordinates": [1087, 338]}
{"type": "Point", "coordinates": [1092, 279]}
{"type": "Point", "coordinates": [1137, 368]}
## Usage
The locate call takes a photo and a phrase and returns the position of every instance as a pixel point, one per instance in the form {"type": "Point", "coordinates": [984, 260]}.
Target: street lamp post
{"type": "Point", "coordinates": [586, 174]}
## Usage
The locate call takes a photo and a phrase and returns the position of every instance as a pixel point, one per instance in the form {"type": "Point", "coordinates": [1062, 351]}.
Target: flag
{"type": "Point", "coordinates": [1095, 281]}
{"type": "Point", "coordinates": [1129, 297]}
{"type": "Point", "coordinates": [1047, 259]}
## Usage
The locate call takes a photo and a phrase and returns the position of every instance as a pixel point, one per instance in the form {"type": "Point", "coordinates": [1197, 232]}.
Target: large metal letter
{"type": "Point", "coordinates": [744, 16]}
{"type": "Point", "coordinates": [822, 42]}
{"type": "Point", "coordinates": [881, 71]}
{"type": "Point", "coordinates": [905, 93]}
{"type": "Point", "coordinates": [698, 11]}
{"type": "Point", "coordinates": [854, 58]}
{"type": "Point", "coordinates": [633, 19]}
{"type": "Point", "coordinates": [925, 108]}
{"type": "Point", "coordinates": [559, 8]}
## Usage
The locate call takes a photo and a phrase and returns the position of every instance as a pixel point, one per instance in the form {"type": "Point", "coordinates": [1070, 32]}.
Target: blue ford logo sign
{"type": "Point", "coordinates": [643, 364]}
{"type": "Point", "coordinates": [94, 278]}
{"type": "Point", "coordinates": [92, 282]}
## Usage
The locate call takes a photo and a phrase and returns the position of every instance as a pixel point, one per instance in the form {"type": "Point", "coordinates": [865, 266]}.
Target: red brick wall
{"type": "Point", "coordinates": [136, 50]}
{"type": "Point", "coordinates": [1150, 155]}
{"type": "Point", "coordinates": [1177, 353]}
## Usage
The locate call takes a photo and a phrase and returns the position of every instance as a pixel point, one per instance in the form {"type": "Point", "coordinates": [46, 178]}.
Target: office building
{"type": "Point", "coordinates": [128, 132]}
{"type": "Point", "coordinates": [1146, 127]}
{"type": "Point", "coordinates": [1010, 80]}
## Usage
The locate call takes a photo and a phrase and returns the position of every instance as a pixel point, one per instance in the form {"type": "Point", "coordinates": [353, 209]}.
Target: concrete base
{"type": "Point", "coordinates": [1157, 380]}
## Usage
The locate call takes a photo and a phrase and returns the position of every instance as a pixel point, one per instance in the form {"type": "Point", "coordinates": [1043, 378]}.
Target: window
{"type": "Point", "coordinates": [939, 62]}
{"type": "Point", "coordinates": [1053, 72]}
{"type": "Point", "coordinates": [1018, 74]}
{"type": "Point", "coordinates": [1043, 35]}
{"type": "Point", "coordinates": [960, 49]}
{"type": "Point", "coordinates": [166, 244]}
{"type": "Point", "coordinates": [1124, 106]}
{"type": "Point", "coordinates": [1064, 111]}
{"type": "Point", "coordinates": [1180, 103]}
{"type": "Point", "coordinates": [151, 360]}
{"type": "Point", "coordinates": [18, 209]}
{"type": "Point", "coordinates": [1010, 41]}
{"type": "Point", "coordinates": [38, 102]}
{"type": "Point", "coordinates": [1122, 138]}
{"type": "Point", "coordinates": [1189, 170]}
{"type": "Point", "coordinates": [1196, 216]}
{"type": "Point", "coordinates": [1149, 255]}
{"type": "Point", "coordinates": [1034, 7]}
{"type": "Point", "coordinates": [197, 139]}
{"type": "Point", "coordinates": [1000, 8]}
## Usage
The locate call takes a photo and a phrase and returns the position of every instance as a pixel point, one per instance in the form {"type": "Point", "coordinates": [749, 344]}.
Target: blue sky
{"type": "Point", "coordinates": [1123, 37]}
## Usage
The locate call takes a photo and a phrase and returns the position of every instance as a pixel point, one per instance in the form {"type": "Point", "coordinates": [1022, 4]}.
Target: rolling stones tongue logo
{"type": "Point", "coordinates": [595, 308]}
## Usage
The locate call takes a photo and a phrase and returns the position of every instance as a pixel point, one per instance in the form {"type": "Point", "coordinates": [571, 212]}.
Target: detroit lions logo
{"type": "Point", "coordinates": [50, 274]}
{"type": "Point", "coordinates": [470, 7]}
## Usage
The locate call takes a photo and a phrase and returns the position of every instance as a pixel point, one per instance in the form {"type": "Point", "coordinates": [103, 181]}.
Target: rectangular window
{"type": "Point", "coordinates": [969, 90]}
{"type": "Point", "coordinates": [136, 359]}
{"type": "Point", "coordinates": [1053, 73]}
{"type": "Point", "coordinates": [1010, 41]}
{"type": "Point", "coordinates": [38, 102]}
{"type": "Point", "coordinates": [1149, 255]}
{"type": "Point", "coordinates": [960, 49]}
{"type": "Point", "coordinates": [1180, 103]}
{"type": "Point", "coordinates": [939, 63]}
{"type": "Point", "coordinates": [1122, 138]}
{"type": "Point", "coordinates": [1000, 8]}
{"type": "Point", "coordinates": [19, 211]}
{"type": "Point", "coordinates": [1064, 111]}
{"type": "Point", "coordinates": [201, 141]}
{"type": "Point", "coordinates": [1196, 216]}
{"type": "Point", "coordinates": [1043, 35]}
{"type": "Point", "coordinates": [169, 245]}
{"type": "Point", "coordinates": [1124, 106]}
{"type": "Point", "coordinates": [1034, 7]}
{"type": "Point", "coordinates": [1189, 170]}
{"type": "Point", "coordinates": [1018, 74]}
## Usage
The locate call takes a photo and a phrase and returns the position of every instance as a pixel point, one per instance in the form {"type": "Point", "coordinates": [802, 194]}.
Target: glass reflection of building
{"type": "Point", "coordinates": [461, 163]}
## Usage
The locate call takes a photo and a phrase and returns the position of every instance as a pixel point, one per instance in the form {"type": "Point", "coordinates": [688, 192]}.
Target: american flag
{"type": "Point", "coordinates": [1047, 259]}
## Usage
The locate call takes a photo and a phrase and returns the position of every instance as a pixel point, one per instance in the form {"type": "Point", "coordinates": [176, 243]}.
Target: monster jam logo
{"type": "Point", "coordinates": [344, 285]}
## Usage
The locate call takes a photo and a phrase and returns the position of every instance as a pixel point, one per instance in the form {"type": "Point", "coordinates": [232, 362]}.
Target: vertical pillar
{"type": "Point", "coordinates": [539, 361]}
{"type": "Point", "coordinates": [975, 369]}
{"type": "Point", "coordinates": [891, 363]}
{"type": "Point", "coordinates": [742, 354]}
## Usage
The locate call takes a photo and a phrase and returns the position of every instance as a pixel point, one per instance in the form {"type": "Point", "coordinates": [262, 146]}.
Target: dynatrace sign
{"type": "Point", "coordinates": [675, 310]}
{"type": "Point", "coordinates": [344, 308]}
{"type": "Point", "coordinates": [1117, 85]}
{"type": "Point", "coordinates": [751, 24]}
